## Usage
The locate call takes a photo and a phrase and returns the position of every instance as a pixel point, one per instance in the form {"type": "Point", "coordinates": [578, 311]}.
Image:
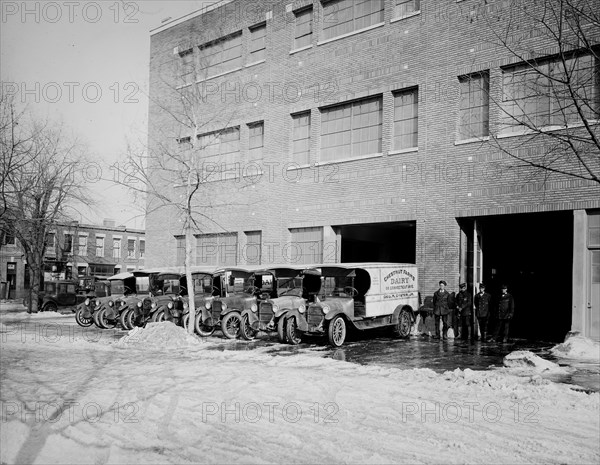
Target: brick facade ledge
{"type": "Point", "coordinates": [534, 208]}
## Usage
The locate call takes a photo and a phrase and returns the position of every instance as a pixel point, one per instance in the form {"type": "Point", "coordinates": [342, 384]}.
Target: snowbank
{"type": "Point", "coordinates": [159, 395]}
{"type": "Point", "coordinates": [523, 360]}
{"type": "Point", "coordinates": [577, 347]}
{"type": "Point", "coordinates": [159, 335]}
{"type": "Point", "coordinates": [36, 316]}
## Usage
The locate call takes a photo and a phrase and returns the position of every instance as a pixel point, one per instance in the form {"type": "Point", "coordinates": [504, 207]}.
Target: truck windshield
{"type": "Point", "coordinates": [334, 285]}
{"type": "Point", "coordinates": [117, 287]}
{"type": "Point", "coordinates": [203, 284]}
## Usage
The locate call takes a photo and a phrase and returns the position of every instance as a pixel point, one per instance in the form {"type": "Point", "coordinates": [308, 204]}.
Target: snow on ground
{"type": "Point", "coordinates": [161, 396]}
{"type": "Point", "coordinates": [523, 360]}
{"type": "Point", "coordinates": [578, 347]}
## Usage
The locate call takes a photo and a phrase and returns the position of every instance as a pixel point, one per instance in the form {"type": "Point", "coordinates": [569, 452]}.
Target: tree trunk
{"type": "Point", "coordinates": [36, 284]}
{"type": "Point", "coordinates": [189, 237]}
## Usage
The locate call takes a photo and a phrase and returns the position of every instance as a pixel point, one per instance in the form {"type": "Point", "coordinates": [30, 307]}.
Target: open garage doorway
{"type": "Point", "coordinates": [533, 255]}
{"type": "Point", "coordinates": [378, 242]}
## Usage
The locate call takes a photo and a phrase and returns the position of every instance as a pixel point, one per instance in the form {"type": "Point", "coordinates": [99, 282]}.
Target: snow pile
{"type": "Point", "coordinates": [523, 360]}
{"type": "Point", "coordinates": [577, 346]}
{"type": "Point", "coordinates": [37, 316]}
{"type": "Point", "coordinates": [159, 335]}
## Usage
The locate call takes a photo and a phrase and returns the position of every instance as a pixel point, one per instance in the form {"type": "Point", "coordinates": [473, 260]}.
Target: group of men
{"type": "Point", "coordinates": [461, 307]}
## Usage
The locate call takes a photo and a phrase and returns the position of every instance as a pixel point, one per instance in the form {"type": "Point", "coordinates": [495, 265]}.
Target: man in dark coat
{"type": "Point", "coordinates": [506, 310]}
{"type": "Point", "coordinates": [464, 303]}
{"type": "Point", "coordinates": [441, 309]}
{"type": "Point", "coordinates": [482, 310]}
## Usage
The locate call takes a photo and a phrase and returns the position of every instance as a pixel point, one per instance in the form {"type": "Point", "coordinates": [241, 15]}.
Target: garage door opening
{"type": "Point", "coordinates": [378, 242]}
{"type": "Point", "coordinates": [533, 255]}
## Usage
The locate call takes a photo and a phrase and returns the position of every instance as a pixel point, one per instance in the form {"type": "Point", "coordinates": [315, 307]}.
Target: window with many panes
{"type": "Point", "coordinates": [68, 244]}
{"type": "Point", "coordinates": [216, 249]}
{"type": "Point", "coordinates": [142, 248]}
{"type": "Point", "coordinates": [220, 56]}
{"type": "Point", "coordinates": [82, 245]}
{"type": "Point", "coordinates": [258, 43]}
{"type": "Point", "coordinates": [116, 247]}
{"type": "Point", "coordinates": [220, 146]}
{"type": "Point", "coordinates": [99, 246]}
{"type": "Point", "coordinates": [256, 140]}
{"type": "Point", "coordinates": [404, 8]}
{"type": "Point", "coordinates": [538, 96]}
{"type": "Point", "coordinates": [180, 250]}
{"type": "Point", "coordinates": [252, 251]}
{"type": "Point", "coordinates": [474, 110]}
{"type": "Point", "coordinates": [301, 138]}
{"type": "Point", "coordinates": [306, 245]}
{"type": "Point", "coordinates": [186, 66]}
{"type": "Point", "coordinates": [345, 16]}
{"type": "Point", "coordinates": [406, 119]}
{"type": "Point", "coordinates": [351, 129]}
{"type": "Point", "coordinates": [303, 28]}
{"type": "Point", "coordinates": [130, 248]}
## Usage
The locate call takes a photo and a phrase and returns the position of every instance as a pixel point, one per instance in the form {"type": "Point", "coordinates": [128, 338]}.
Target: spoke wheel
{"type": "Point", "coordinates": [404, 325]}
{"type": "Point", "coordinates": [281, 330]}
{"type": "Point", "coordinates": [230, 325]}
{"type": "Point", "coordinates": [336, 331]}
{"type": "Point", "coordinates": [202, 329]}
{"type": "Point", "coordinates": [50, 307]}
{"type": "Point", "coordinates": [158, 316]}
{"type": "Point", "coordinates": [293, 336]}
{"type": "Point", "coordinates": [130, 318]}
{"type": "Point", "coordinates": [96, 319]}
{"type": "Point", "coordinates": [81, 321]}
{"type": "Point", "coordinates": [104, 321]}
{"type": "Point", "coordinates": [123, 319]}
{"type": "Point", "coordinates": [246, 330]}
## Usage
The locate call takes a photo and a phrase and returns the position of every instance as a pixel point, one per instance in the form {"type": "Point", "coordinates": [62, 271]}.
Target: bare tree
{"type": "Point", "coordinates": [172, 171]}
{"type": "Point", "coordinates": [551, 88]}
{"type": "Point", "coordinates": [41, 184]}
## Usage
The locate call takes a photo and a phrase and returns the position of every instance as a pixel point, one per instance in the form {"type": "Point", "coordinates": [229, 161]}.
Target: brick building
{"type": "Point", "coordinates": [351, 130]}
{"type": "Point", "coordinates": [76, 251]}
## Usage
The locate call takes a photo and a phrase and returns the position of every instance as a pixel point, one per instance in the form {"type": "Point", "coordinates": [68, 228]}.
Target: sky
{"type": "Point", "coordinates": [85, 64]}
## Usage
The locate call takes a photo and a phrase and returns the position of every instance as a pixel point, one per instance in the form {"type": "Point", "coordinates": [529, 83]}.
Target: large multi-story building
{"type": "Point", "coordinates": [75, 251]}
{"type": "Point", "coordinates": [374, 130]}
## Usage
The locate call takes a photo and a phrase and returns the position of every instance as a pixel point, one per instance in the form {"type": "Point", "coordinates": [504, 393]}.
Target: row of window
{"type": "Point", "coordinates": [305, 246]}
{"type": "Point", "coordinates": [135, 248]}
{"type": "Point", "coordinates": [340, 17]}
{"type": "Point", "coordinates": [530, 98]}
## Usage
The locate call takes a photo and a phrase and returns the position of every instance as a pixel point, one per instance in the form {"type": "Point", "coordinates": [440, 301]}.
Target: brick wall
{"type": "Point", "coordinates": [434, 185]}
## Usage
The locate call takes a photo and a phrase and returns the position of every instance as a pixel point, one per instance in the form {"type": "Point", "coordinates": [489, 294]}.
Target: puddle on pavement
{"type": "Point", "coordinates": [423, 352]}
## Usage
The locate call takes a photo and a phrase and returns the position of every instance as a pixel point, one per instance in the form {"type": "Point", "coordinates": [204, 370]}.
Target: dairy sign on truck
{"type": "Point", "coordinates": [363, 295]}
{"type": "Point", "coordinates": [390, 287]}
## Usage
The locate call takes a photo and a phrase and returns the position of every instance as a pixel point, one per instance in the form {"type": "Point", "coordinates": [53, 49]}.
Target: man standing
{"type": "Point", "coordinates": [463, 307]}
{"type": "Point", "coordinates": [506, 310]}
{"type": "Point", "coordinates": [441, 309]}
{"type": "Point", "coordinates": [482, 310]}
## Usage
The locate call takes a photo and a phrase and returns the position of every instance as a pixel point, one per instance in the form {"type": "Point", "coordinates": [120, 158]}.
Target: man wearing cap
{"type": "Point", "coordinates": [441, 309]}
{"type": "Point", "coordinates": [464, 303]}
{"type": "Point", "coordinates": [482, 310]}
{"type": "Point", "coordinates": [506, 310]}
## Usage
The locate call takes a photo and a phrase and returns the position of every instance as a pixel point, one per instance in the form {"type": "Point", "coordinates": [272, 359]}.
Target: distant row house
{"type": "Point", "coordinates": [75, 251]}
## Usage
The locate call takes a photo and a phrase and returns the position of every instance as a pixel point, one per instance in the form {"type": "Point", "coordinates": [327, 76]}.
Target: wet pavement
{"type": "Point", "coordinates": [425, 352]}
